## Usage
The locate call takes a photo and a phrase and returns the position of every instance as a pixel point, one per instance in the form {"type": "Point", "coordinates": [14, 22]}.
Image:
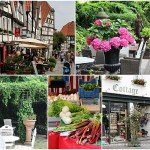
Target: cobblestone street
{"type": "Point", "coordinates": [59, 69]}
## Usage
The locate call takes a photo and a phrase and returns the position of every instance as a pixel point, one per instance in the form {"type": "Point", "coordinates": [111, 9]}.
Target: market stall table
{"type": "Point", "coordinates": [58, 141]}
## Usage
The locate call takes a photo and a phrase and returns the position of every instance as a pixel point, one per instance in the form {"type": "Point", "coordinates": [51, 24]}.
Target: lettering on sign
{"type": "Point", "coordinates": [124, 89]}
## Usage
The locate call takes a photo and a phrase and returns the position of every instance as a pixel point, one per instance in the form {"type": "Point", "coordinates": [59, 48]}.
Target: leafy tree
{"type": "Point", "coordinates": [58, 39]}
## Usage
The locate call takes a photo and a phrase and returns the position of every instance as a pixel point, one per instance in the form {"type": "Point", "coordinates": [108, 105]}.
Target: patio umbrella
{"type": "Point", "coordinates": [31, 41]}
{"type": "Point", "coordinates": [31, 46]}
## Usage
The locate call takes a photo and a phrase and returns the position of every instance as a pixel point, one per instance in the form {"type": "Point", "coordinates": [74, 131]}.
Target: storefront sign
{"type": "Point", "coordinates": [125, 89]}
{"type": "Point", "coordinates": [17, 32]}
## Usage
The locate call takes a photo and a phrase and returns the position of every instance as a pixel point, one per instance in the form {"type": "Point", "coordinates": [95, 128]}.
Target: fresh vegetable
{"type": "Point", "coordinates": [66, 120]}
{"type": "Point", "coordinates": [65, 115]}
{"type": "Point", "coordinates": [68, 114]}
{"type": "Point", "coordinates": [88, 131]}
{"type": "Point", "coordinates": [56, 107]}
{"type": "Point", "coordinates": [65, 109]}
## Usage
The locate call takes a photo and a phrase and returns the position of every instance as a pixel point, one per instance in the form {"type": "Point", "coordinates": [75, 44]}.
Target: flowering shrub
{"type": "Point", "coordinates": [107, 35]}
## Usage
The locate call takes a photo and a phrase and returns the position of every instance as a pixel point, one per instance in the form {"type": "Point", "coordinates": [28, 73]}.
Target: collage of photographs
{"type": "Point", "coordinates": [74, 74]}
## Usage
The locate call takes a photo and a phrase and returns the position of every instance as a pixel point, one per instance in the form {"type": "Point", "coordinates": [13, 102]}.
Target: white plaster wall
{"type": "Point", "coordinates": [126, 81]}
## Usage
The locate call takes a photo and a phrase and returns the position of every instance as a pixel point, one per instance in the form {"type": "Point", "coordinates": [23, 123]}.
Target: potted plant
{"type": "Point", "coordinates": [134, 121]}
{"type": "Point", "coordinates": [110, 36]}
{"type": "Point", "coordinates": [88, 90]}
{"type": "Point", "coordinates": [29, 122]}
{"type": "Point", "coordinates": [52, 63]}
{"type": "Point", "coordinates": [52, 66]}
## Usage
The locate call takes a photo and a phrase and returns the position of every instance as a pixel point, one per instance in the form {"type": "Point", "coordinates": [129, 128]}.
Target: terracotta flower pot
{"type": "Point", "coordinates": [29, 124]}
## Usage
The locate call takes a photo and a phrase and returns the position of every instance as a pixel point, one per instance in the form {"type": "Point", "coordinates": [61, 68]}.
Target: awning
{"type": "Point", "coordinates": [31, 41]}
{"type": "Point", "coordinates": [31, 46]}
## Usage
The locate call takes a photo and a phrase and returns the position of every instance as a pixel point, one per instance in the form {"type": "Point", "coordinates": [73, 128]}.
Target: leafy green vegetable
{"type": "Point", "coordinates": [56, 107]}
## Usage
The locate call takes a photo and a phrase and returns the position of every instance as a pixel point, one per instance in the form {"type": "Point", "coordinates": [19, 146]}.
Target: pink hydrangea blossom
{"type": "Point", "coordinates": [96, 43]}
{"type": "Point", "coordinates": [123, 31]}
{"type": "Point", "coordinates": [98, 22]}
{"type": "Point", "coordinates": [108, 23]}
{"type": "Point", "coordinates": [105, 46]}
{"type": "Point", "coordinates": [89, 39]}
{"type": "Point", "coordinates": [115, 42]}
{"type": "Point", "coordinates": [124, 42]}
{"type": "Point", "coordinates": [128, 37]}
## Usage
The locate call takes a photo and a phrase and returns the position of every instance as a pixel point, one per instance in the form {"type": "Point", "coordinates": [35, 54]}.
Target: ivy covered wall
{"type": "Point", "coordinates": [20, 96]}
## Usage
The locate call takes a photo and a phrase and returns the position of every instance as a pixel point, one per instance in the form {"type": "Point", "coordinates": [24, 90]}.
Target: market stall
{"type": "Point", "coordinates": [71, 124]}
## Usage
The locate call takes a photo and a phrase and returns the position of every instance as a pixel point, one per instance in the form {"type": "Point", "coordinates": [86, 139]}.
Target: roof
{"type": "Point", "coordinates": [45, 9]}
{"type": "Point", "coordinates": [69, 29]}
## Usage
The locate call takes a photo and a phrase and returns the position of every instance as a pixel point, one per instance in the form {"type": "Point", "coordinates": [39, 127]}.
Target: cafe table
{"type": "Point", "coordinates": [10, 140]}
{"type": "Point", "coordinates": [82, 63]}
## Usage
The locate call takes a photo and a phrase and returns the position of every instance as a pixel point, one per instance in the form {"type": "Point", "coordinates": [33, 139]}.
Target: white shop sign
{"type": "Point", "coordinates": [125, 87]}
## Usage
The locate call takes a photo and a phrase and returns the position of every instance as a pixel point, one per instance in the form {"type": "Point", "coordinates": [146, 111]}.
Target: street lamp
{"type": "Point", "coordinates": [102, 14]}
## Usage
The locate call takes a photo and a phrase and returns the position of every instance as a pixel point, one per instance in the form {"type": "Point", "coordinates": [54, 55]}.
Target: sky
{"type": "Point", "coordinates": [64, 12]}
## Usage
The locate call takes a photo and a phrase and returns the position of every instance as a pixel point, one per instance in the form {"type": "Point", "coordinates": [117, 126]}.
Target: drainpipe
{"type": "Point", "coordinates": [32, 19]}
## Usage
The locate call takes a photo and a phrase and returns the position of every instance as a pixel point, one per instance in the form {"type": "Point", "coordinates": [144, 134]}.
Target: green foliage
{"type": "Point", "coordinates": [134, 121]}
{"type": "Point", "coordinates": [52, 59]}
{"type": "Point", "coordinates": [146, 32]}
{"type": "Point", "coordinates": [113, 78]}
{"type": "Point", "coordinates": [58, 39]}
{"type": "Point", "coordinates": [87, 12]}
{"type": "Point", "coordinates": [81, 33]}
{"type": "Point", "coordinates": [22, 91]}
{"type": "Point", "coordinates": [88, 86]}
{"type": "Point", "coordinates": [56, 107]}
{"type": "Point", "coordinates": [105, 32]}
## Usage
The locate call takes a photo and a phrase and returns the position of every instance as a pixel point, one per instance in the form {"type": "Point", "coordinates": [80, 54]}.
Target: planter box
{"type": "Point", "coordinates": [88, 94]}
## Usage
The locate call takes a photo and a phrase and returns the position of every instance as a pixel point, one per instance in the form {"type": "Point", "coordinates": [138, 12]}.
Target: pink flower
{"type": "Point", "coordinates": [105, 46]}
{"type": "Point", "coordinates": [115, 42]}
{"type": "Point", "coordinates": [98, 22]}
{"type": "Point", "coordinates": [128, 37]}
{"type": "Point", "coordinates": [108, 23]}
{"type": "Point", "coordinates": [89, 39]}
{"type": "Point", "coordinates": [123, 31]}
{"type": "Point", "coordinates": [124, 42]}
{"type": "Point", "coordinates": [96, 43]}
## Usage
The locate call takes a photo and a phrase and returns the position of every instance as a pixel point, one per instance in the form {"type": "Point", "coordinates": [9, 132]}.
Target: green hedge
{"type": "Point", "coordinates": [87, 12]}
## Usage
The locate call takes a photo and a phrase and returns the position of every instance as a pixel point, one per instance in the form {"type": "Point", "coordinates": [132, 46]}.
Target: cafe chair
{"type": "Point", "coordinates": [132, 65]}
{"type": "Point", "coordinates": [9, 123]}
{"type": "Point", "coordinates": [7, 130]}
{"type": "Point", "coordinates": [99, 61]}
{"type": "Point", "coordinates": [87, 53]}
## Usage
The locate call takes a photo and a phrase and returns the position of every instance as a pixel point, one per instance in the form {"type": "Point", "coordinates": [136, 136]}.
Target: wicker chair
{"type": "Point", "coordinates": [99, 61]}
{"type": "Point", "coordinates": [132, 65]}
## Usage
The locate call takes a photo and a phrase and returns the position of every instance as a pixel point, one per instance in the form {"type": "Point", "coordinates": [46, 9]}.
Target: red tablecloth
{"type": "Point", "coordinates": [55, 141]}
